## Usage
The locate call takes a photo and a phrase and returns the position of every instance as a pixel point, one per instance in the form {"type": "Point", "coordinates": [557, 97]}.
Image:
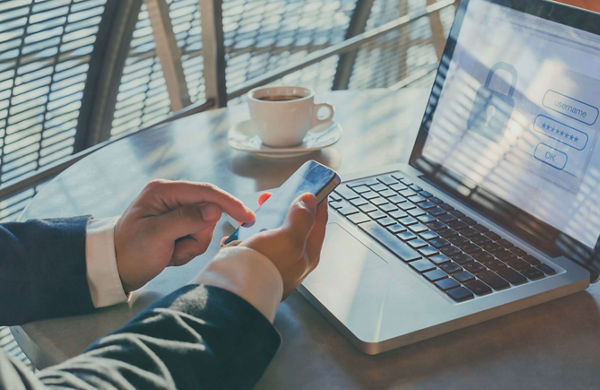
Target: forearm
{"type": "Point", "coordinates": [198, 337]}
{"type": "Point", "coordinates": [42, 270]}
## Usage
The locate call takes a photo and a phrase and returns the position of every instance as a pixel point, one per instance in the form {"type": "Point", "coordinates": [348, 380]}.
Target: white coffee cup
{"type": "Point", "coordinates": [283, 115]}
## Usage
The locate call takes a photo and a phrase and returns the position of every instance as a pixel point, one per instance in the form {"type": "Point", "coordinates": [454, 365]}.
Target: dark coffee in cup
{"type": "Point", "coordinates": [280, 98]}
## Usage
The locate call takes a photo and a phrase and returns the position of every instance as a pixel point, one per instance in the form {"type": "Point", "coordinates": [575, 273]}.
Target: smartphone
{"type": "Point", "coordinates": [311, 177]}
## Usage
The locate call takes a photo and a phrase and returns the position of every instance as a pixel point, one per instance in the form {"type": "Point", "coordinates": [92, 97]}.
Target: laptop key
{"type": "Point", "coordinates": [417, 243]}
{"type": "Point", "coordinates": [428, 235]}
{"type": "Point", "coordinates": [451, 267]}
{"type": "Point", "coordinates": [436, 211]}
{"type": "Point", "coordinates": [545, 268]}
{"type": "Point", "coordinates": [359, 202]}
{"type": "Point", "coordinates": [387, 179]}
{"type": "Point", "coordinates": [398, 187]}
{"type": "Point", "coordinates": [387, 193]}
{"type": "Point", "coordinates": [531, 260]}
{"type": "Point", "coordinates": [463, 276]}
{"type": "Point", "coordinates": [426, 218]}
{"type": "Point", "coordinates": [378, 187]}
{"type": "Point", "coordinates": [446, 284]}
{"type": "Point", "coordinates": [439, 259]}
{"type": "Point", "coordinates": [346, 192]}
{"type": "Point", "coordinates": [406, 221]}
{"type": "Point", "coordinates": [390, 241]}
{"type": "Point", "coordinates": [398, 214]}
{"type": "Point", "coordinates": [478, 287]}
{"type": "Point", "coordinates": [377, 214]}
{"type": "Point", "coordinates": [386, 221]}
{"type": "Point", "coordinates": [406, 206]}
{"type": "Point", "coordinates": [451, 251]}
{"type": "Point", "coordinates": [493, 280]}
{"type": "Point", "coordinates": [388, 207]}
{"type": "Point", "coordinates": [358, 218]}
{"type": "Point", "coordinates": [418, 228]}
{"type": "Point", "coordinates": [434, 275]}
{"type": "Point", "coordinates": [379, 201]}
{"type": "Point", "coordinates": [366, 182]}
{"type": "Point", "coordinates": [422, 265]}
{"type": "Point", "coordinates": [474, 267]}
{"type": "Point", "coordinates": [396, 228]}
{"type": "Point", "coordinates": [334, 196]}
{"type": "Point", "coordinates": [428, 251]}
{"type": "Point", "coordinates": [446, 218]}
{"type": "Point", "coordinates": [361, 189]}
{"type": "Point", "coordinates": [370, 195]}
{"type": "Point", "coordinates": [439, 242]}
{"type": "Point", "coordinates": [397, 199]}
{"type": "Point", "coordinates": [367, 208]}
{"type": "Point", "coordinates": [435, 200]}
{"type": "Point", "coordinates": [533, 273]}
{"type": "Point", "coordinates": [406, 236]}
{"type": "Point", "coordinates": [347, 210]}
{"type": "Point", "coordinates": [425, 194]}
{"type": "Point", "coordinates": [512, 276]}
{"type": "Point", "coordinates": [518, 264]}
{"type": "Point", "coordinates": [426, 205]}
{"type": "Point", "coordinates": [463, 258]}
{"type": "Point", "coordinates": [460, 294]}
{"type": "Point", "coordinates": [416, 212]}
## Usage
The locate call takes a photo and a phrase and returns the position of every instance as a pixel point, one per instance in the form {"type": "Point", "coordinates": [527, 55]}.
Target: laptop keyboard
{"type": "Point", "coordinates": [447, 248]}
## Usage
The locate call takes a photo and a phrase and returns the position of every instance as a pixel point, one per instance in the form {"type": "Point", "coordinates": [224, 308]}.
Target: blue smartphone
{"type": "Point", "coordinates": [311, 177]}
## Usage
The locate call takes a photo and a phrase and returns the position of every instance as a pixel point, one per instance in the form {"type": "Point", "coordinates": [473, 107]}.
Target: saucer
{"type": "Point", "coordinates": [243, 137]}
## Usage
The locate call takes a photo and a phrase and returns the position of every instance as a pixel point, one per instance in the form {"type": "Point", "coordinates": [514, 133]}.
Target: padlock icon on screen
{"type": "Point", "coordinates": [492, 109]}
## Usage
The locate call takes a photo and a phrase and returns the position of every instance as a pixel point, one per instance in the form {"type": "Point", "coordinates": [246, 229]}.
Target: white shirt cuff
{"type": "Point", "coordinates": [101, 261]}
{"type": "Point", "coordinates": [248, 274]}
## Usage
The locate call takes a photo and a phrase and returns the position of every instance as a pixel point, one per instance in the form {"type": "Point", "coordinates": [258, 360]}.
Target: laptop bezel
{"type": "Point", "coordinates": [524, 225]}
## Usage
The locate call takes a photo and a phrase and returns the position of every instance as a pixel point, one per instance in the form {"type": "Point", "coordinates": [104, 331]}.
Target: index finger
{"type": "Point", "coordinates": [178, 193]}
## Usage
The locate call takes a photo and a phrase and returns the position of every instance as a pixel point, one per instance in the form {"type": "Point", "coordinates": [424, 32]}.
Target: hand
{"type": "Point", "coordinates": [295, 247]}
{"type": "Point", "coordinates": [169, 223]}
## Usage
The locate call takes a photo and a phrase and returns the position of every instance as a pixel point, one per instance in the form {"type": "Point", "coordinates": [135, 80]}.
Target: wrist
{"type": "Point", "coordinates": [248, 274]}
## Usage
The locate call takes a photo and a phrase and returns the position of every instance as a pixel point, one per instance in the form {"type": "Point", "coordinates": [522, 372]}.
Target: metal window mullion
{"type": "Point", "coordinates": [213, 51]}
{"type": "Point", "coordinates": [357, 25]}
{"type": "Point", "coordinates": [106, 68]}
{"type": "Point", "coordinates": [437, 32]}
{"type": "Point", "coordinates": [341, 47]}
{"type": "Point", "coordinates": [168, 53]}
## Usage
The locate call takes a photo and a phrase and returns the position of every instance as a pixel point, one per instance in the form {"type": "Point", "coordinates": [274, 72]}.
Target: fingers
{"type": "Point", "coordinates": [178, 193]}
{"type": "Point", "coordinates": [314, 243]}
{"type": "Point", "coordinates": [186, 220]}
{"type": "Point", "coordinates": [301, 217]}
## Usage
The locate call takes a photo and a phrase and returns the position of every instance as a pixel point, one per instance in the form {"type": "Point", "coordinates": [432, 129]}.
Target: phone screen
{"type": "Point", "coordinates": [311, 177]}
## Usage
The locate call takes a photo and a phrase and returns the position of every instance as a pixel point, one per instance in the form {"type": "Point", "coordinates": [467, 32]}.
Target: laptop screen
{"type": "Point", "coordinates": [513, 123]}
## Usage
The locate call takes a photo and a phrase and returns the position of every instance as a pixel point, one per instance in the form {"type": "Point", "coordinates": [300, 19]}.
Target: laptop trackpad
{"type": "Point", "coordinates": [347, 268]}
{"type": "Point", "coordinates": [374, 299]}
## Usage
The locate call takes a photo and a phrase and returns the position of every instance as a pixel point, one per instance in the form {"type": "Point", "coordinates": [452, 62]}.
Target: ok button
{"type": "Point", "coordinates": [547, 155]}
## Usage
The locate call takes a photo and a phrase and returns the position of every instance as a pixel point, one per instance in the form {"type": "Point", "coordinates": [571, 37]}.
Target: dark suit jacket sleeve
{"type": "Point", "coordinates": [197, 338]}
{"type": "Point", "coordinates": [43, 270]}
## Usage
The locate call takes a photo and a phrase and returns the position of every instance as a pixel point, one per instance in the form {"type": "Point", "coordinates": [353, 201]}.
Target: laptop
{"type": "Point", "coordinates": [498, 208]}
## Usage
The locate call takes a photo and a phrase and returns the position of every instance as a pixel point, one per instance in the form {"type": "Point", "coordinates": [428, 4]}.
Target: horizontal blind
{"type": "Point", "coordinates": [45, 49]}
{"type": "Point", "coordinates": [143, 98]}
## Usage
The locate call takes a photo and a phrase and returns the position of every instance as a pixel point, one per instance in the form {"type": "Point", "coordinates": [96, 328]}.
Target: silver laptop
{"type": "Point", "coordinates": [499, 206]}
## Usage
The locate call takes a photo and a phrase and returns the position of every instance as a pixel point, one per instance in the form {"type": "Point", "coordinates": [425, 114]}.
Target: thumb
{"type": "Point", "coordinates": [188, 219]}
{"type": "Point", "coordinates": [301, 216]}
